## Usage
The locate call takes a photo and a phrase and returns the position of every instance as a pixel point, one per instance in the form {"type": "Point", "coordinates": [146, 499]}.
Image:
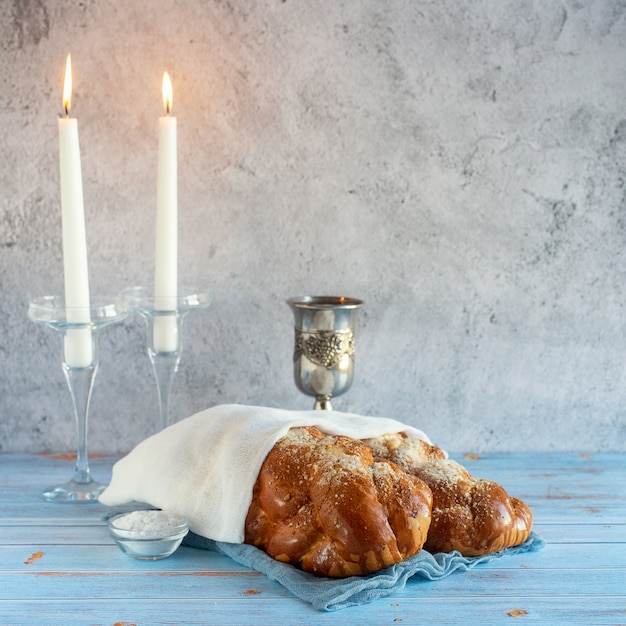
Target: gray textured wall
{"type": "Point", "coordinates": [459, 165]}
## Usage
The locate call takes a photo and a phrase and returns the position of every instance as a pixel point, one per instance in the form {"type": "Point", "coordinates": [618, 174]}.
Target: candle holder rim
{"type": "Point", "coordinates": [324, 302]}
{"type": "Point", "coordinates": [51, 309]}
{"type": "Point", "coordinates": [140, 299]}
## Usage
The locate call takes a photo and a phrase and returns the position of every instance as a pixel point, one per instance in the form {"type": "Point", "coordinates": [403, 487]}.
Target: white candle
{"type": "Point", "coordinates": [165, 334]}
{"type": "Point", "coordinates": [77, 344]}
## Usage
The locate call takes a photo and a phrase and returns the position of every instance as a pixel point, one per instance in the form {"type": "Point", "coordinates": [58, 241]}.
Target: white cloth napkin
{"type": "Point", "coordinates": [205, 466]}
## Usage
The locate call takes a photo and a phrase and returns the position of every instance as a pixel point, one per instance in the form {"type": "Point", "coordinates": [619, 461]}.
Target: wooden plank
{"type": "Point", "coordinates": [582, 533]}
{"type": "Point", "coordinates": [107, 558]}
{"type": "Point", "coordinates": [564, 569]}
{"type": "Point", "coordinates": [94, 585]}
{"type": "Point", "coordinates": [84, 558]}
{"type": "Point", "coordinates": [55, 534]}
{"type": "Point", "coordinates": [86, 533]}
{"type": "Point", "coordinates": [543, 461]}
{"type": "Point", "coordinates": [254, 609]}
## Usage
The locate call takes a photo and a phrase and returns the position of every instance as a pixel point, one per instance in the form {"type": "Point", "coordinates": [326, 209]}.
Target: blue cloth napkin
{"type": "Point", "coordinates": [330, 594]}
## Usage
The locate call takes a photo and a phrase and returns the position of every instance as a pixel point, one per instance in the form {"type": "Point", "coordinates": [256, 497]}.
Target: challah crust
{"type": "Point", "coordinates": [469, 514]}
{"type": "Point", "coordinates": [323, 503]}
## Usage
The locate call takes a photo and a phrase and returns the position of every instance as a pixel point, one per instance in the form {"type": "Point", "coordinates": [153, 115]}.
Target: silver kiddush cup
{"type": "Point", "coordinates": [323, 359]}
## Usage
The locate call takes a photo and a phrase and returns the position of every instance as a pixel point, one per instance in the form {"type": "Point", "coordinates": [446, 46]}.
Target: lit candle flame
{"type": "Point", "coordinates": [67, 86]}
{"type": "Point", "coordinates": [168, 95]}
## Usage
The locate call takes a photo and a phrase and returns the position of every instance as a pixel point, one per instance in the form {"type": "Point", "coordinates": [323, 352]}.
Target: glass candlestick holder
{"type": "Point", "coordinates": [79, 327]}
{"type": "Point", "coordinates": [165, 344]}
{"type": "Point", "coordinates": [323, 356]}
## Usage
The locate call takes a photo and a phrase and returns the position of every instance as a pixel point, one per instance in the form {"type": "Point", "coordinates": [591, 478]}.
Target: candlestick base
{"type": "Point", "coordinates": [165, 337]}
{"type": "Point", "coordinates": [79, 375]}
{"type": "Point", "coordinates": [74, 491]}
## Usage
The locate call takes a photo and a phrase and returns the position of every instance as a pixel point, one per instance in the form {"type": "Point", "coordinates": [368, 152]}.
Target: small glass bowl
{"type": "Point", "coordinates": [148, 535]}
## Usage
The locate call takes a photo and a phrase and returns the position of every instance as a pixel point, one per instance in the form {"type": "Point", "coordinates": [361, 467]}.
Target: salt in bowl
{"type": "Point", "coordinates": [148, 535]}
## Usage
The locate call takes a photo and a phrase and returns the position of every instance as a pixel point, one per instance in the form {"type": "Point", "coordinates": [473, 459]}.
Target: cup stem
{"type": "Point", "coordinates": [322, 403]}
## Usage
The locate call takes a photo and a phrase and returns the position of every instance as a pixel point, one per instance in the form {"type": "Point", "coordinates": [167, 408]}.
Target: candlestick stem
{"type": "Point", "coordinates": [165, 366]}
{"type": "Point", "coordinates": [80, 382]}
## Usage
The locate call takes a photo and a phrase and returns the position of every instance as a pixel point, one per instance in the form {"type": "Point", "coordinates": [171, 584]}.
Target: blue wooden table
{"type": "Point", "coordinates": [58, 564]}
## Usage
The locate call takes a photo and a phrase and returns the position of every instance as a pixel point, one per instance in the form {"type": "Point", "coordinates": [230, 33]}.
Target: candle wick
{"type": "Point", "coordinates": [67, 111]}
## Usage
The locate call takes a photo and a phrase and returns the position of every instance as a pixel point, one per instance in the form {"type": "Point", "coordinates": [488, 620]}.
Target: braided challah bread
{"type": "Point", "coordinates": [326, 505]}
{"type": "Point", "coordinates": [471, 515]}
